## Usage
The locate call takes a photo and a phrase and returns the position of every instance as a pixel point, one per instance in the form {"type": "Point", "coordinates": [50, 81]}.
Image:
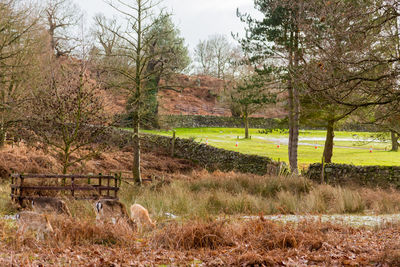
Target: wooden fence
{"type": "Point", "coordinates": [101, 186]}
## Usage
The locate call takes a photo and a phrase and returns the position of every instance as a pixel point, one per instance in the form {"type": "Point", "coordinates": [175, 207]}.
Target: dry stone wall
{"type": "Point", "coordinates": [197, 121]}
{"type": "Point", "coordinates": [206, 156]}
{"type": "Point", "coordinates": [215, 158]}
{"type": "Point", "coordinates": [382, 176]}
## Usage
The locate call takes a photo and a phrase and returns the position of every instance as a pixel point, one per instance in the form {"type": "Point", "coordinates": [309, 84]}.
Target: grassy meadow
{"type": "Point", "coordinates": [350, 147]}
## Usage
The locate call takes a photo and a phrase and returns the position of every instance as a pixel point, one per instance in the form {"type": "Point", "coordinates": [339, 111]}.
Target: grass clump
{"type": "Point", "coordinates": [6, 206]}
{"type": "Point", "coordinates": [215, 194]}
{"type": "Point", "coordinates": [265, 186]}
{"type": "Point", "coordinates": [193, 235]}
{"type": "Point", "coordinates": [73, 232]}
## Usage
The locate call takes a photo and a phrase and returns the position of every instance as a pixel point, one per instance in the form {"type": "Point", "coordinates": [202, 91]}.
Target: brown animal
{"type": "Point", "coordinates": [112, 211]}
{"type": "Point", "coordinates": [29, 220]}
{"type": "Point", "coordinates": [141, 216]}
{"type": "Point", "coordinates": [50, 205]}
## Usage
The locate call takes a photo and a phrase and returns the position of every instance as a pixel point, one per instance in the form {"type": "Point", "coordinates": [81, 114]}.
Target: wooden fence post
{"type": "Point", "coordinates": [12, 188]}
{"type": "Point", "coordinates": [108, 185]}
{"type": "Point", "coordinates": [100, 185]}
{"type": "Point", "coordinates": [323, 171]}
{"type": "Point", "coordinates": [173, 143]}
{"type": "Point", "coordinates": [72, 187]}
{"type": "Point", "coordinates": [20, 199]}
{"type": "Point", "coordinates": [116, 185]}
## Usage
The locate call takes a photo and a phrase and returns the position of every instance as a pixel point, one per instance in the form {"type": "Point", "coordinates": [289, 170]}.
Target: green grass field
{"type": "Point", "coordinates": [350, 147]}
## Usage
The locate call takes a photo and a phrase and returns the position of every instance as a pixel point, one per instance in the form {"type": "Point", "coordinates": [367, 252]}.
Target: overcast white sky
{"type": "Point", "coordinates": [196, 19]}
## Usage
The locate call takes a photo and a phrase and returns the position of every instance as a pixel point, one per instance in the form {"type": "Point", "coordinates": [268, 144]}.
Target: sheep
{"type": "Point", "coordinates": [141, 216]}
{"type": "Point", "coordinates": [29, 220]}
{"type": "Point", "coordinates": [50, 205]}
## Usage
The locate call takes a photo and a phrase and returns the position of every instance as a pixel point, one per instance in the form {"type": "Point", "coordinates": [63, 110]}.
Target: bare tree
{"type": "Point", "coordinates": [204, 56]}
{"type": "Point", "coordinates": [67, 114]}
{"type": "Point", "coordinates": [352, 61]}
{"type": "Point", "coordinates": [105, 33]}
{"type": "Point", "coordinates": [137, 52]}
{"type": "Point", "coordinates": [62, 16]}
{"type": "Point", "coordinates": [19, 45]}
{"type": "Point", "coordinates": [214, 55]}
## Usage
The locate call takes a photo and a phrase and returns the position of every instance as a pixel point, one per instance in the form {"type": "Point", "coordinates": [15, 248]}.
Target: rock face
{"type": "Point", "coordinates": [382, 176]}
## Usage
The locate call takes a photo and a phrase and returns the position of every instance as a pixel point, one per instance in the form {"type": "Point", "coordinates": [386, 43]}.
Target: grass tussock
{"type": "Point", "coordinates": [68, 232]}
{"type": "Point", "coordinates": [243, 194]}
{"type": "Point", "coordinates": [216, 194]}
{"type": "Point", "coordinates": [381, 201]}
{"type": "Point", "coordinates": [73, 232]}
{"type": "Point", "coordinates": [195, 235]}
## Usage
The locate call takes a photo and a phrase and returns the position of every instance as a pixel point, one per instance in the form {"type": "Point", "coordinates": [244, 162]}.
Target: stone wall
{"type": "Point", "coordinates": [382, 176]}
{"type": "Point", "coordinates": [206, 156]}
{"type": "Point", "coordinates": [215, 158]}
{"type": "Point", "coordinates": [197, 121]}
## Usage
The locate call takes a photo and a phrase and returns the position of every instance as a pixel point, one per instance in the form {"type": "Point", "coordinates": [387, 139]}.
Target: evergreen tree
{"type": "Point", "coordinates": [250, 94]}
{"type": "Point", "coordinates": [276, 39]}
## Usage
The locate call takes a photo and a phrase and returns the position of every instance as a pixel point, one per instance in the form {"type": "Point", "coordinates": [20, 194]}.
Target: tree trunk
{"type": "Point", "coordinates": [294, 104]}
{"type": "Point", "coordinates": [2, 137]}
{"type": "Point", "coordinates": [328, 150]}
{"type": "Point", "coordinates": [65, 164]}
{"type": "Point", "coordinates": [136, 148]}
{"type": "Point", "coordinates": [293, 131]}
{"type": "Point", "coordinates": [395, 139]}
{"type": "Point", "coordinates": [3, 132]}
{"type": "Point", "coordinates": [246, 126]}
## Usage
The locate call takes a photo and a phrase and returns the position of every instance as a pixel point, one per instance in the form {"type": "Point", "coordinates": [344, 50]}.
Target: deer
{"type": "Point", "coordinates": [112, 211]}
{"type": "Point", "coordinates": [29, 220]}
{"type": "Point", "coordinates": [141, 216]}
{"type": "Point", "coordinates": [50, 205]}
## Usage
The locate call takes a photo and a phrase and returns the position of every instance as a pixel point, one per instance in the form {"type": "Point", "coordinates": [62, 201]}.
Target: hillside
{"type": "Point", "coordinates": [187, 95]}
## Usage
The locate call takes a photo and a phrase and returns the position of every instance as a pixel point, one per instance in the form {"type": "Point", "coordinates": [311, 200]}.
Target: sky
{"type": "Point", "coordinates": [196, 19]}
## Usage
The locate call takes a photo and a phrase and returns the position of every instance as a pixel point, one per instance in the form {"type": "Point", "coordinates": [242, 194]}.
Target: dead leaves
{"type": "Point", "coordinates": [246, 243]}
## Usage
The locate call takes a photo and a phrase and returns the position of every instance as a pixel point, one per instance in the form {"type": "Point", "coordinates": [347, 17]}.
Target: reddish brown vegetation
{"type": "Point", "coordinates": [184, 95]}
{"type": "Point", "coordinates": [244, 243]}
{"type": "Point", "coordinates": [201, 95]}
{"type": "Point", "coordinates": [23, 159]}
{"type": "Point", "coordinates": [196, 95]}
{"type": "Point", "coordinates": [264, 242]}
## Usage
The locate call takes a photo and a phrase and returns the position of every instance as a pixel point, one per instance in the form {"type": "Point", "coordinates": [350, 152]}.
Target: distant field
{"type": "Point", "coordinates": [350, 147]}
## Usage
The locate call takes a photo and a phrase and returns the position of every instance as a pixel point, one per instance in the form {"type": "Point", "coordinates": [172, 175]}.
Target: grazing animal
{"type": "Point", "coordinates": [29, 220]}
{"type": "Point", "coordinates": [141, 216]}
{"type": "Point", "coordinates": [50, 205]}
{"type": "Point", "coordinates": [109, 210]}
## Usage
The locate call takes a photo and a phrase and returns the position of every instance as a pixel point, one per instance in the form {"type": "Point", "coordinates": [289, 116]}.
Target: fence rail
{"type": "Point", "coordinates": [92, 183]}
